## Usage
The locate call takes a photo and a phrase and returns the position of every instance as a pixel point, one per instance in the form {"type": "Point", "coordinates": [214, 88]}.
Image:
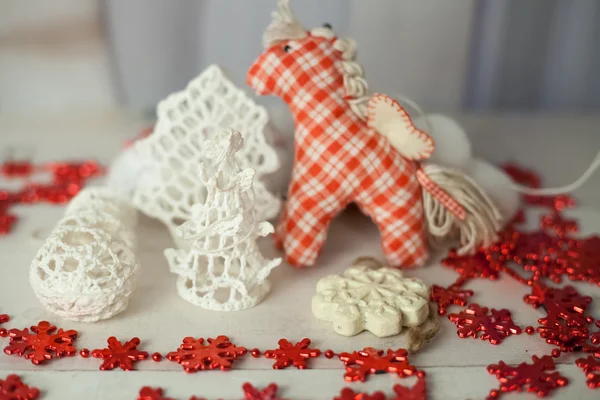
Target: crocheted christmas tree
{"type": "Point", "coordinates": [223, 269]}
{"type": "Point", "coordinates": [167, 186]}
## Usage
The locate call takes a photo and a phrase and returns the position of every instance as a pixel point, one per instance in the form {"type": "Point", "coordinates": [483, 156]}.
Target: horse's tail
{"type": "Point", "coordinates": [456, 207]}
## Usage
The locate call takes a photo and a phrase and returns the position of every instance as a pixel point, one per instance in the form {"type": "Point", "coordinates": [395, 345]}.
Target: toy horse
{"type": "Point", "coordinates": [355, 148]}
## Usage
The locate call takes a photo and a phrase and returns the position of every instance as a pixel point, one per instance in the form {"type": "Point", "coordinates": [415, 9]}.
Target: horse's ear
{"type": "Point", "coordinates": [386, 116]}
{"type": "Point", "coordinates": [284, 26]}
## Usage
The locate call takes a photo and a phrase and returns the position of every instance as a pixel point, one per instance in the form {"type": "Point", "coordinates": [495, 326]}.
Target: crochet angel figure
{"type": "Point", "coordinates": [223, 269]}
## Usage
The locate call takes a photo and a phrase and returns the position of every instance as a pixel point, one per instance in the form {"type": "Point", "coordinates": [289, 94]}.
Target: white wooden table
{"type": "Point", "coordinates": [456, 368]}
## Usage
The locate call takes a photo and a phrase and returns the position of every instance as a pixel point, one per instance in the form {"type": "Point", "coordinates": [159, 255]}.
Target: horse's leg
{"type": "Point", "coordinates": [304, 228]}
{"type": "Point", "coordinates": [396, 207]}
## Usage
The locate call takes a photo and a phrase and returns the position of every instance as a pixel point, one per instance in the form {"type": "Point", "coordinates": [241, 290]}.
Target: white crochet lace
{"type": "Point", "coordinates": [174, 150]}
{"type": "Point", "coordinates": [87, 269]}
{"type": "Point", "coordinates": [224, 269]}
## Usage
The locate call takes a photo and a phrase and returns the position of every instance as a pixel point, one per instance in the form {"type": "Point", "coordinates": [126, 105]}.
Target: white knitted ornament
{"type": "Point", "coordinates": [172, 153]}
{"type": "Point", "coordinates": [86, 270]}
{"type": "Point", "coordinates": [224, 269]}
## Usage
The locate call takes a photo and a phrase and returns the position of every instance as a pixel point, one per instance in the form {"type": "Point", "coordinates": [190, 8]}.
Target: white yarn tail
{"type": "Point", "coordinates": [480, 221]}
{"type": "Point", "coordinates": [563, 189]}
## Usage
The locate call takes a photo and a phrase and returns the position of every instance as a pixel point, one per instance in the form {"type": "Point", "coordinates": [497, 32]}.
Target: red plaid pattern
{"type": "Point", "coordinates": [338, 159]}
{"type": "Point", "coordinates": [440, 195]}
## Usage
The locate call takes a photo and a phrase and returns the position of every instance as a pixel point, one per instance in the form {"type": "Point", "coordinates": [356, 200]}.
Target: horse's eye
{"type": "Point", "coordinates": [327, 25]}
{"type": "Point", "coordinates": [287, 48]}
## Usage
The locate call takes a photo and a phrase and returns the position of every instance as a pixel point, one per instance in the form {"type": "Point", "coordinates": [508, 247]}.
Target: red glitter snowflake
{"type": "Point", "coordinates": [537, 297]}
{"type": "Point", "coordinates": [595, 337]}
{"type": "Point", "coordinates": [560, 225]}
{"type": "Point", "coordinates": [360, 364]}
{"type": "Point", "coordinates": [564, 323]}
{"type": "Point", "coordinates": [556, 203]}
{"type": "Point", "coordinates": [3, 319]}
{"type": "Point", "coordinates": [494, 328]}
{"type": "Point", "coordinates": [120, 355]}
{"type": "Point", "coordinates": [350, 394]}
{"type": "Point", "coordinates": [12, 388]}
{"type": "Point", "coordinates": [564, 304]}
{"type": "Point", "coordinates": [567, 338]}
{"type": "Point", "coordinates": [533, 378]}
{"type": "Point", "coordinates": [540, 253]}
{"type": "Point", "coordinates": [583, 263]}
{"type": "Point", "coordinates": [591, 368]}
{"type": "Point", "coordinates": [451, 295]}
{"type": "Point", "coordinates": [268, 393]}
{"type": "Point", "coordinates": [193, 355]}
{"type": "Point", "coordinates": [148, 393]}
{"type": "Point", "coordinates": [143, 133]}
{"type": "Point", "coordinates": [472, 266]}
{"type": "Point", "coordinates": [417, 392]}
{"type": "Point", "coordinates": [296, 355]}
{"type": "Point", "coordinates": [523, 176]}
{"type": "Point", "coordinates": [41, 344]}
{"type": "Point", "coordinates": [67, 179]}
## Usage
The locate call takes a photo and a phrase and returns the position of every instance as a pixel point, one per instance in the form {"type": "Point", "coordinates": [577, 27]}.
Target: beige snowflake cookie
{"type": "Point", "coordinates": [370, 297]}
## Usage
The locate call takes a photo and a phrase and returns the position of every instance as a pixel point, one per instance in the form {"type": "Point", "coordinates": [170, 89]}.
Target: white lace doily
{"type": "Point", "coordinates": [86, 270]}
{"type": "Point", "coordinates": [177, 146]}
{"type": "Point", "coordinates": [223, 269]}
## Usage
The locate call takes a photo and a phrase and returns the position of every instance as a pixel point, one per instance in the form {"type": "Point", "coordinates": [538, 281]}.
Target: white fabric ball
{"type": "Point", "coordinates": [452, 146]}
{"type": "Point", "coordinates": [127, 172]}
{"type": "Point", "coordinates": [497, 184]}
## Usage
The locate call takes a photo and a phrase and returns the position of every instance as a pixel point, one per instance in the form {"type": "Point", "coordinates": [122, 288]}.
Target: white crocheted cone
{"type": "Point", "coordinates": [86, 270]}
{"type": "Point", "coordinates": [224, 269]}
{"type": "Point", "coordinates": [172, 153]}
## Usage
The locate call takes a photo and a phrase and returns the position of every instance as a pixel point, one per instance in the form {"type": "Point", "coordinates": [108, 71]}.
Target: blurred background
{"type": "Point", "coordinates": [64, 56]}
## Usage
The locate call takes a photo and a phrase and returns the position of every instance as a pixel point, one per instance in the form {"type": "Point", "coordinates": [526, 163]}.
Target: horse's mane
{"type": "Point", "coordinates": [285, 26]}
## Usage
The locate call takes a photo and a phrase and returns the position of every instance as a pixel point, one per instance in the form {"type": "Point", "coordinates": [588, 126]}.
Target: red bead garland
{"type": "Point", "coordinates": [591, 368]}
{"type": "Point", "coordinates": [528, 257]}
{"type": "Point", "coordinates": [66, 181]}
{"type": "Point", "coordinates": [3, 319]}
{"type": "Point", "coordinates": [256, 353]}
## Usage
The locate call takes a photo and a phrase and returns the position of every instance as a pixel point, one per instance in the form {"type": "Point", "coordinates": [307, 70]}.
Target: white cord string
{"type": "Point", "coordinates": [519, 188]}
{"type": "Point", "coordinates": [562, 189]}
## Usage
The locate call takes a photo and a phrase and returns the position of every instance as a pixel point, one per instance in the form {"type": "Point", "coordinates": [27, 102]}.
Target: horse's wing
{"type": "Point", "coordinates": [386, 116]}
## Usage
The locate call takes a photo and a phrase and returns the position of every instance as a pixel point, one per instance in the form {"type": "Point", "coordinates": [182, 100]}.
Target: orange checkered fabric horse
{"type": "Point", "coordinates": [343, 152]}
